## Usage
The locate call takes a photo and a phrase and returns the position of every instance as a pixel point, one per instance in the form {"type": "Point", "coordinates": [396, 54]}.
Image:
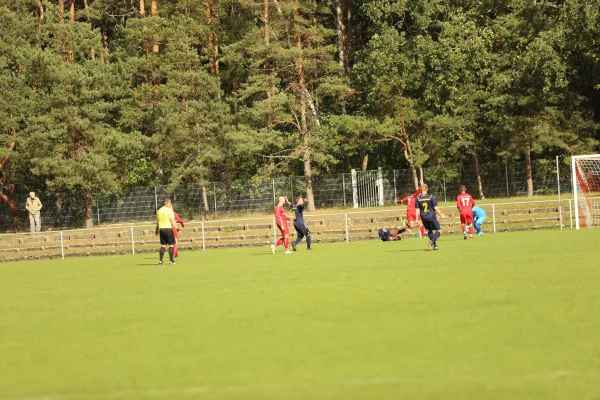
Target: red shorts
{"type": "Point", "coordinates": [175, 233]}
{"type": "Point", "coordinates": [466, 218]}
{"type": "Point", "coordinates": [412, 215]}
{"type": "Point", "coordinates": [285, 230]}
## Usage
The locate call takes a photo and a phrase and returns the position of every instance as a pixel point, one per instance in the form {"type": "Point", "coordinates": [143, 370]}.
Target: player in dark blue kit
{"type": "Point", "coordinates": [390, 234]}
{"type": "Point", "coordinates": [428, 207]}
{"type": "Point", "coordinates": [299, 223]}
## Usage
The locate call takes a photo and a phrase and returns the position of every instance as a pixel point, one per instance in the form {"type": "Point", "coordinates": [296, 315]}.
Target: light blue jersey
{"type": "Point", "coordinates": [479, 216]}
{"type": "Point", "coordinates": [479, 212]}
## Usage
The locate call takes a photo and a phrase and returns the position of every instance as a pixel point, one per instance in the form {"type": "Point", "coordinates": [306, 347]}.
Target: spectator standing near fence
{"type": "Point", "coordinates": [34, 206]}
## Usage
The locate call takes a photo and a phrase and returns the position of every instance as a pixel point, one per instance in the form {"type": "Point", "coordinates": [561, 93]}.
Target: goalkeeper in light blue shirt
{"type": "Point", "coordinates": [478, 218]}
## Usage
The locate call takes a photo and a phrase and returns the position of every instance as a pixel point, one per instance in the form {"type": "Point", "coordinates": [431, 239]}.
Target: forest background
{"type": "Point", "coordinates": [99, 96]}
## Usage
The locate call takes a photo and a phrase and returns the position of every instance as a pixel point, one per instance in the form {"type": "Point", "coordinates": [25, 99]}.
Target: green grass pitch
{"type": "Point", "coordinates": [506, 316]}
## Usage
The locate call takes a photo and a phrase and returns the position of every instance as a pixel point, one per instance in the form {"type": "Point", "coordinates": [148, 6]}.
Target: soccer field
{"type": "Point", "coordinates": [506, 316]}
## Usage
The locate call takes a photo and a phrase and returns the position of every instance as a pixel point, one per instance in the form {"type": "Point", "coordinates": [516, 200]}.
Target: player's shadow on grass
{"type": "Point", "coordinates": [266, 253]}
{"type": "Point", "coordinates": [406, 250]}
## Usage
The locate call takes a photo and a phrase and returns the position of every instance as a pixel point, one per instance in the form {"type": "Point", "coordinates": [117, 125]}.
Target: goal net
{"type": "Point", "coordinates": [586, 189]}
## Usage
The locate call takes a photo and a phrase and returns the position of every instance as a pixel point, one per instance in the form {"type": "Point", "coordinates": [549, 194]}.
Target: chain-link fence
{"type": "Point", "coordinates": [217, 200]}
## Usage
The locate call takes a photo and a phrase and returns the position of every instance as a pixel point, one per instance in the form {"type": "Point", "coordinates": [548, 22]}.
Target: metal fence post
{"type": "Point", "coordinates": [203, 241]}
{"type": "Point", "coordinates": [571, 213]}
{"type": "Point", "coordinates": [215, 194]}
{"type": "Point", "coordinates": [575, 193]}
{"type": "Point", "coordinates": [444, 183]}
{"type": "Point", "coordinates": [395, 192]}
{"type": "Point", "coordinates": [132, 242]}
{"type": "Point", "coordinates": [506, 170]}
{"type": "Point", "coordinates": [344, 189]}
{"type": "Point", "coordinates": [494, 216]}
{"type": "Point", "coordinates": [558, 187]}
{"type": "Point", "coordinates": [62, 246]}
{"type": "Point", "coordinates": [354, 188]}
{"type": "Point", "coordinates": [155, 198]}
{"type": "Point", "coordinates": [98, 210]}
{"type": "Point", "coordinates": [346, 218]}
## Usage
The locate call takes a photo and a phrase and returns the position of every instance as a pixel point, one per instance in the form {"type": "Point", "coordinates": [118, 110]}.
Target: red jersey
{"type": "Point", "coordinates": [411, 200]}
{"type": "Point", "coordinates": [464, 203]}
{"type": "Point", "coordinates": [280, 216]}
{"type": "Point", "coordinates": [178, 219]}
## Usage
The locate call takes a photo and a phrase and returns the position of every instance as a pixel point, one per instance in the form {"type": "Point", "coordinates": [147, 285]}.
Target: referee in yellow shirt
{"type": "Point", "coordinates": [165, 222]}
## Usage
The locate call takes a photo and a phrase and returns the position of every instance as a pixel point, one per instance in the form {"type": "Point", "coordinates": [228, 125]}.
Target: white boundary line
{"type": "Point", "coordinates": [543, 376]}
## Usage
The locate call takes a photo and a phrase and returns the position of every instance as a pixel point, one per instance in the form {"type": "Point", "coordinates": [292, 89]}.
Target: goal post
{"type": "Point", "coordinates": [586, 190]}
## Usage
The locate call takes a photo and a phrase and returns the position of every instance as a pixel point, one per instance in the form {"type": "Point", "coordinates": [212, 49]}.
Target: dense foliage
{"type": "Point", "coordinates": [99, 95]}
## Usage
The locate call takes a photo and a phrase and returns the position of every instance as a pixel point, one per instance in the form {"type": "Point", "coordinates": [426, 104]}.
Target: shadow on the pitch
{"type": "Point", "coordinates": [407, 250]}
{"type": "Point", "coordinates": [268, 253]}
{"type": "Point", "coordinates": [146, 264]}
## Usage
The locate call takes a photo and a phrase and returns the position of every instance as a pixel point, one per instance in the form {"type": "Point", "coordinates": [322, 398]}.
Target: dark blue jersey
{"type": "Point", "coordinates": [427, 204]}
{"type": "Point", "coordinates": [385, 235]}
{"type": "Point", "coordinates": [298, 211]}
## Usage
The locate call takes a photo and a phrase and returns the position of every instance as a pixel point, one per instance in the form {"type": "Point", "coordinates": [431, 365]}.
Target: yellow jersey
{"type": "Point", "coordinates": [164, 216]}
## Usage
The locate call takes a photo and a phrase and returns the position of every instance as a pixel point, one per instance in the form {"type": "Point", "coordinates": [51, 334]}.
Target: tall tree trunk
{"type": "Point", "coordinates": [87, 203]}
{"type": "Point", "coordinates": [104, 50]}
{"type": "Point", "coordinates": [339, 16]}
{"type": "Point", "coordinates": [340, 35]}
{"type": "Point", "coordinates": [304, 127]}
{"type": "Point", "coordinates": [407, 151]}
{"type": "Point", "coordinates": [213, 39]}
{"type": "Point", "coordinates": [365, 163]}
{"type": "Point", "coordinates": [154, 13]}
{"type": "Point", "coordinates": [70, 55]}
{"type": "Point", "coordinates": [14, 211]}
{"type": "Point", "coordinates": [41, 9]}
{"type": "Point", "coordinates": [267, 39]}
{"type": "Point", "coordinates": [86, 8]}
{"type": "Point", "coordinates": [205, 199]}
{"type": "Point", "coordinates": [58, 203]}
{"type": "Point", "coordinates": [529, 171]}
{"type": "Point", "coordinates": [61, 11]}
{"type": "Point", "coordinates": [479, 181]}
{"type": "Point", "coordinates": [142, 8]}
{"type": "Point", "coordinates": [421, 178]}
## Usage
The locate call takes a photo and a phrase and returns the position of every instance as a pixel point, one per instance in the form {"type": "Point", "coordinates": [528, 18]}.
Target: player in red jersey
{"type": "Point", "coordinates": [411, 212]}
{"type": "Point", "coordinates": [176, 233]}
{"type": "Point", "coordinates": [465, 203]}
{"type": "Point", "coordinates": [281, 221]}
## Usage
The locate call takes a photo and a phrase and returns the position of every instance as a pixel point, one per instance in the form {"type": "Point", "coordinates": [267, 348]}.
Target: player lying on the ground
{"type": "Point", "coordinates": [428, 207]}
{"type": "Point", "coordinates": [176, 233]}
{"type": "Point", "coordinates": [465, 203]}
{"type": "Point", "coordinates": [281, 220]}
{"type": "Point", "coordinates": [299, 223]}
{"type": "Point", "coordinates": [479, 216]}
{"type": "Point", "coordinates": [412, 218]}
{"type": "Point", "coordinates": [390, 234]}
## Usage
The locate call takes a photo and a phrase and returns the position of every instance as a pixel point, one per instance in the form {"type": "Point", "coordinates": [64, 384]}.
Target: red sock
{"type": "Point", "coordinates": [287, 243]}
{"type": "Point", "coordinates": [175, 252]}
{"type": "Point", "coordinates": [279, 242]}
{"type": "Point", "coordinates": [422, 229]}
{"type": "Point", "coordinates": [463, 228]}
{"type": "Point", "coordinates": [471, 230]}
